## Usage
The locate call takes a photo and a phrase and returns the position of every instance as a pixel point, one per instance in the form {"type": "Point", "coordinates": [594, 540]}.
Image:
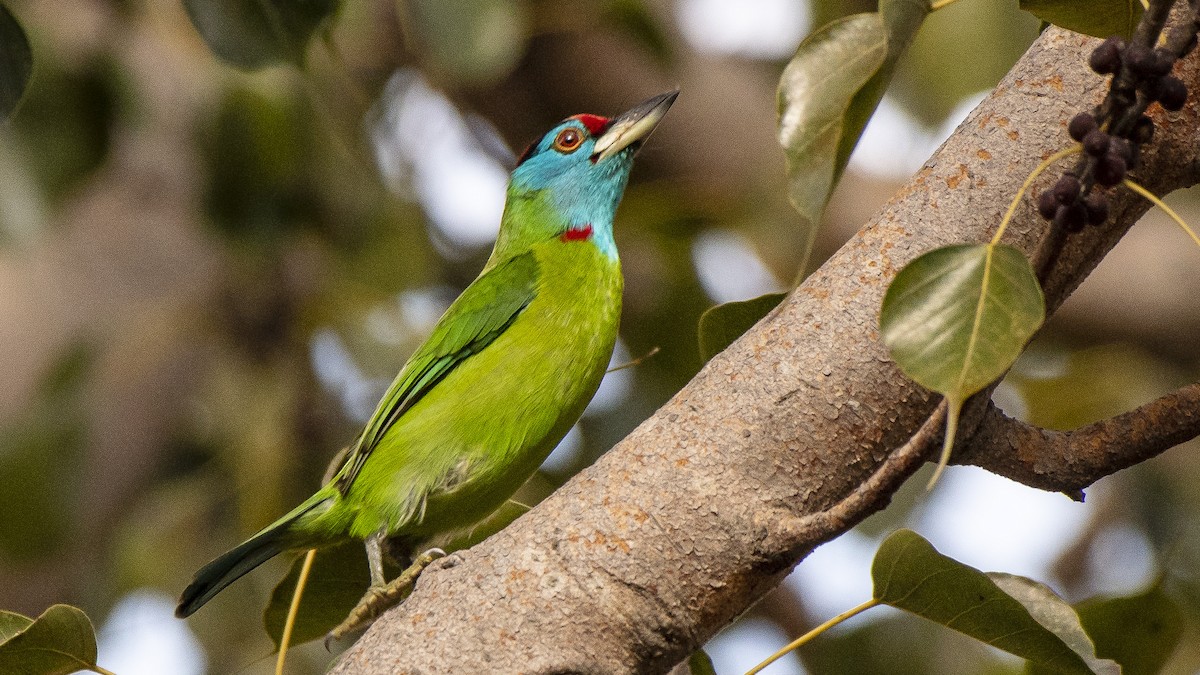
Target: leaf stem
{"type": "Point", "coordinates": [955, 407]}
{"type": "Point", "coordinates": [635, 362]}
{"type": "Point", "coordinates": [1012, 208]}
{"type": "Point", "coordinates": [800, 641]}
{"type": "Point", "coordinates": [286, 638]}
{"type": "Point", "coordinates": [938, 4]}
{"type": "Point", "coordinates": [1165, 209]}
{"type": "Point", "coordinates": [100, 669]}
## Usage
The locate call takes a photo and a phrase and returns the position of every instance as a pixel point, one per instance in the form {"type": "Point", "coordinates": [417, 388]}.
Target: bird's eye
{"type": "Point", "coordinates": [568, 140]}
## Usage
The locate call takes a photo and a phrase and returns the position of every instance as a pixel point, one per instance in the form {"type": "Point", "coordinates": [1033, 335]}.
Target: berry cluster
{"type": "Point", "coordinates": [1067, 209]}
{"type": "Point", "coordinates": [1150, 67]}
{"type": "Point", "coordinates": [1112, 134]}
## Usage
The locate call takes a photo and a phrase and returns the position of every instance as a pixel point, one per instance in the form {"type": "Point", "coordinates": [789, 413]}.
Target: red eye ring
{"type": "Point", "coordinates": [568, 140]}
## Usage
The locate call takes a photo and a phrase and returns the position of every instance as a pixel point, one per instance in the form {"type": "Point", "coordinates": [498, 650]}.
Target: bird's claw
{"type": "Point", "coordinates": [379, 599]}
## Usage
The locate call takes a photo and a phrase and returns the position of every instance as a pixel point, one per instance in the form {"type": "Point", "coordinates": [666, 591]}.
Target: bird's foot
{"type": "Point", "coordinates": [379, 599]}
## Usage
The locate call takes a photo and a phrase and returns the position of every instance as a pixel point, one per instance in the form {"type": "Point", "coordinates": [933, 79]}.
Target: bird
{"type": "Point", "coordinates": [504, 374]}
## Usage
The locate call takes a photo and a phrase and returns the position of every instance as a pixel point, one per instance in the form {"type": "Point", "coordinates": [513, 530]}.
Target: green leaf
{"type": "Point", "coordinates": [957, 317]}
{"type": "Point", "coordinates": [910, 574]}
{"type": "Point", "coordinates": [827, 93]}
{"type": "Point", "coordinates": [12, 623]}
{"type": "Point", "coordinates": [1056, 616]}
{"type": "Point", "coordinates": [1099, 18]}
{"type": "Point", "coordinates": [475, 42]}
{"type": "Point", "coordinates": [721, 325]}
{"type": "Point", "coordinates": [340, 576]}
{"type": "Point", "coordinates": [338, 579]}
{"type": "Point", "coordinates": [1139, 632]}
{"type": "Point", "coordinates": [699, 663]}
{"type": "Point", "coordinates": [16, 63]}
{"type": "Point", "coordinates": [60, 641]}
{"type": "Point", "coordinates": [253, 34]}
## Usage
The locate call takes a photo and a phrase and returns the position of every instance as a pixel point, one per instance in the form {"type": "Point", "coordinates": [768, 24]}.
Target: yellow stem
{"type": "Point", "coordinates": [636, 362]}
{"type": "Point", "coordinates": [1012, 208]}
{"type": "Point", "coordinates": [1165, 209]}
{"type": "Point", "coordinates": [938, 4]}
{"type": "Point", "coordinates": [952, 411]}
{"type": "Point", "coordinates": [101, 670]}
{"type": "Point", "coordinates": [293, 609]}
{"type": "Point", "coordinates": [798, 642]}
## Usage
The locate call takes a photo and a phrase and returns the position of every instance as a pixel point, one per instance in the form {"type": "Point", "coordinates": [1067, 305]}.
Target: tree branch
{"type": "Point", "coordinates": [783, 441]}
{"type": "Point", "coordinates": [1068, 461]}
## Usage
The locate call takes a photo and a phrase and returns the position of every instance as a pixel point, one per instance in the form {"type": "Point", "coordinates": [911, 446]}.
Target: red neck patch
{"type": "Point", "coordinates": [595, 124]}
{"type": "Point", "coordinates": [577, 233]}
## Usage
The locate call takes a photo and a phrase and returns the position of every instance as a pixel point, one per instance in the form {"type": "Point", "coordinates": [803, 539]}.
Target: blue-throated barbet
{"type": "Point", "coordinates": [506, 372]}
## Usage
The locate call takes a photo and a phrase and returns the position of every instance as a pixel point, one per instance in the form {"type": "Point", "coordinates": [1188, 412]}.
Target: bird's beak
{"type": "Point", "coordinates": [632, 126]}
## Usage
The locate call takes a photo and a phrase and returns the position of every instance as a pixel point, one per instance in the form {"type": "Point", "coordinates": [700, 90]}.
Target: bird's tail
{"type": "Point", "coordinates": [228, 568]}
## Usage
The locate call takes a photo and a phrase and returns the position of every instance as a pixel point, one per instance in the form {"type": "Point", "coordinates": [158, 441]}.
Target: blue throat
{"type": "Point", "coordinates": [577, 191]}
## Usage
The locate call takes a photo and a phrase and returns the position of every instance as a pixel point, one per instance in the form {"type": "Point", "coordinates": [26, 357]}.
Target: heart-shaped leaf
{"type": "Point", "coordinates": [827, 93]}
{"type": "Point", "coordinates": [909, 574]}
{"type": "Point", "coordinates": [58, 642]}
{"type": "Point", "coordinates": [1099, 18]}
{"type": "Point", "coordinates": [957, 317]}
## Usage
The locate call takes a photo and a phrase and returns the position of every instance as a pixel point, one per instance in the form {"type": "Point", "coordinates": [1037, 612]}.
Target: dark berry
{"type": "Point", "coordinates": [1152, 87]}
{"type": "Point", "coordinates": [1110, 169]}
{"type": "Point", "coordinates": [1139, 59]}
{"type": "Point", "coordinates": [1097, 208]}
{"type": "Point", "coordinates": [1066, 190]}
{"type": "Point", "coordinates": [1095, 142]}
{"type": "Point", "coordinates": [1122, 147]}
{"type": "Point", "coordinates": [1071, 216]}
{"type": "Point", "coordinates": [1163, 62]}
{"type": "Point", "coordinates": [1143, 130]}
{"type": "Point", "coordinates": [1047, 204]}
{"type": "Point", "coordinates": [1106, 58]}
{"type": "Point", "coordinates": [1173, 93]}
{"type": "Point", "coordinates": [1081, 125]}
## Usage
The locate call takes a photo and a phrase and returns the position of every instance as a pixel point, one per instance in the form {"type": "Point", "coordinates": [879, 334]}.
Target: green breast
{"type": "Point", "coordinates": [464, 448]}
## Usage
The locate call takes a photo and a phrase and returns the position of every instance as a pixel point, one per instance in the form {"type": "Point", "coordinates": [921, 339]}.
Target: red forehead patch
{"type": "Point", "coordinates": [595, 124]}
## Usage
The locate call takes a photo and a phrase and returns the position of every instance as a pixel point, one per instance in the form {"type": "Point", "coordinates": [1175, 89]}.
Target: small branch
{"type": "Point", "coordinates": [875, 492]}
{"type": "Point", "coordinates": [1068, 461]}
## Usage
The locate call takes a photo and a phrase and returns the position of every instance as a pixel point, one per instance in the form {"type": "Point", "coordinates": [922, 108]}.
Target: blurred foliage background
{"type": "Point", "coordinates": [208, 275]}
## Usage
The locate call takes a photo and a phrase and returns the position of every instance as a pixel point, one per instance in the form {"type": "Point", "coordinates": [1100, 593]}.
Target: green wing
{"type": "Point", "coordinates": [484, 310]}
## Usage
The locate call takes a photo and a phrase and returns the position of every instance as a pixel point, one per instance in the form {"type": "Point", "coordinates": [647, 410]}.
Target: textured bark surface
{"type": "Point", "coordinates": [693, 517]}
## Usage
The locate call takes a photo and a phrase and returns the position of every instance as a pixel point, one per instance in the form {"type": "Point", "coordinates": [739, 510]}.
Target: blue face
{"type": "Point", "coordinates": [583, 191]}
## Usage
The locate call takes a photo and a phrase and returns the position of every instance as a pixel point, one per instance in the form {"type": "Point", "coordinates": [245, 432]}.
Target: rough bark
{"type": "Point", "coordinates": [702, 509]}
